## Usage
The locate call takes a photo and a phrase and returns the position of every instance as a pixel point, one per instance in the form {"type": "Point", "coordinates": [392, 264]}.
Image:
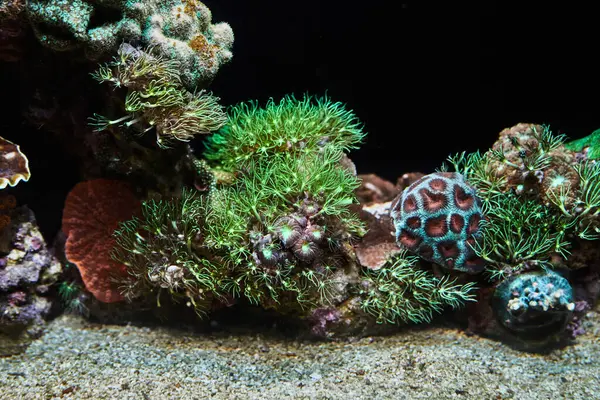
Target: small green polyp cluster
{"type": "Point", "coordinates": [285, 220]}
{"type": "Point", "coordinates": [159, 251]}
{"type": "Point", "coordinates": [541, 202]}
{"type": "Point", "coordinates": [288, 127]}
{"type": "Point", "coordinates": [401, 292]}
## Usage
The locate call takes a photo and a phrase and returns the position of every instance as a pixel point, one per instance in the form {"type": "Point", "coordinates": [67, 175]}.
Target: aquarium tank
{"type": "Point", "coordinates": [298, 200]}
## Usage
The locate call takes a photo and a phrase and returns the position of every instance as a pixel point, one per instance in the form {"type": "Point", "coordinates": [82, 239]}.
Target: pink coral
{"type": "Point", "coordinates": [93, 210]}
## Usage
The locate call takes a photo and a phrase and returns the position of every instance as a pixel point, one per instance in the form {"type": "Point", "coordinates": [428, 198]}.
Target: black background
{"type": "Point", "coordinates": [427, 80]}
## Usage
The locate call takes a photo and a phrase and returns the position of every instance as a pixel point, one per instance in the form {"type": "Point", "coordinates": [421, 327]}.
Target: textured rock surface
{"type": "Point", "coordinates": [379, 244]}
{"type": "Point", "coordinates": [178, 30]}
{"type": "Point", "coordinates": [27, 271]}
{"type": "Point", "coordinates": [78, 360]}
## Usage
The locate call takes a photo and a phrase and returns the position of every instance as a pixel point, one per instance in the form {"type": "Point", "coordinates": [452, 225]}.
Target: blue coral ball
{"type": "Point", "coordinates": [535, 304]}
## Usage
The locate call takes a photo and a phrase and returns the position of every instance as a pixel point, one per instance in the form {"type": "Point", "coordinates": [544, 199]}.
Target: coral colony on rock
{"type": "Point", "coordinates": [272, 215]}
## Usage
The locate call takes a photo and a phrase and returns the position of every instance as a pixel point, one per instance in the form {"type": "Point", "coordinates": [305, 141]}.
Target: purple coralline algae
{"type": "Point", "coordinates": [27, 271]}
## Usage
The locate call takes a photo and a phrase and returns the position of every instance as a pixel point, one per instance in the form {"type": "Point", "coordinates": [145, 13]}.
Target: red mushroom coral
{"type": "Point", "coordinates": [93, 210]}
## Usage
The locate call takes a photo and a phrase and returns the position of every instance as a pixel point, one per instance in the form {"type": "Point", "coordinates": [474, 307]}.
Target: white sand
{"type": "Point", "coordinates": [78, 360]}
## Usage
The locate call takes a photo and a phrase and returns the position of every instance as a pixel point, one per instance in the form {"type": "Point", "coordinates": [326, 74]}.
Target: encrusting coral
{"type": "Point", "coordinates": [178, 30]}
{"type": "Point", "coordinates": [535, 304]}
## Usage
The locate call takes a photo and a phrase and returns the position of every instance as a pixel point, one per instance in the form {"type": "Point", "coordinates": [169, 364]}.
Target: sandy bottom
{"type": "Point", "coordinates": [78, 360]}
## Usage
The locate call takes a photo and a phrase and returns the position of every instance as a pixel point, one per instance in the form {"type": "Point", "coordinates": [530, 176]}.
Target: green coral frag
{"type": "Point", "coordinates": [286, 219]}
{"type": "Point", "coordinates": [401, 292]}
{"type": "Point", "coordinates": [293, 222]}
{"type": "Point", "coordinates": [535, 212]}
{"type": "Point", "coordinates": [156, 98]}
{"type": "Point", "coordinates": [162, 252]}
{"type": "Point", "coordinates": [70, 294]}
{"type": "Point", "coordinates": [290, 126]}
{"type": "Point", "coordinates": [275, 236]}
{"type": "Point", "coordinates": [519, 232]}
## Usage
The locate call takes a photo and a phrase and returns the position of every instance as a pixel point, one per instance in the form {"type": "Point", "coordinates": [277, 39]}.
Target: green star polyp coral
{"type": "Point", "coordinates": [276, 236]}
{"type": "Point", "coordinates": [163, 252]}
{"type": "Point", "coordinates": [283, 226]}
{"type": "Point", "coordinates": [290, 126]}
{"type": "Point", "coordinates": [536, 199]}
{"type": "Point", "coordinates": [400, 292]}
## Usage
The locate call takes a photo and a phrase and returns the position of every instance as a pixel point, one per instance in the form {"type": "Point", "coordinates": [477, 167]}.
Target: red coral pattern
{"type": "Point", "coordinates": [93, 210]}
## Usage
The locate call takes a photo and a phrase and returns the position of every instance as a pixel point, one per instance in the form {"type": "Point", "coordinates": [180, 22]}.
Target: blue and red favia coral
{"type": "Point", "coordinates": [438, 217]}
